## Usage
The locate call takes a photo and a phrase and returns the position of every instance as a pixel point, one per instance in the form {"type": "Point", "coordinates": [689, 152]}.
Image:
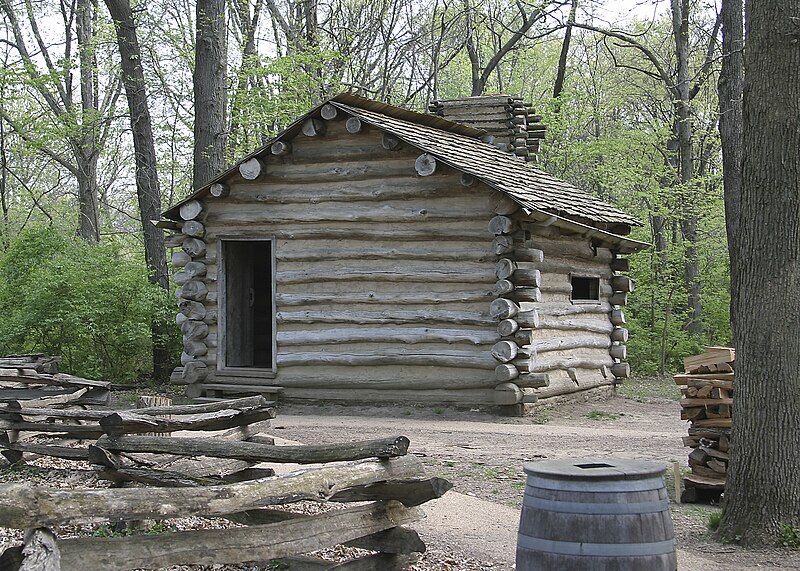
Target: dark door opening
{"type": "Point", "coordinates": [248, 303]}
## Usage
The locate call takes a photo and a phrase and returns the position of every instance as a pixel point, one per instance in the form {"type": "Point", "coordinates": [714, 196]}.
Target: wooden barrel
{"type": "Point", "coordinates": [595, 514]}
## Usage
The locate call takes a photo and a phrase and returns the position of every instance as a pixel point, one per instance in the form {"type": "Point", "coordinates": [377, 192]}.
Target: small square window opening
{"type": "Point", "coordinates": [585, 289]}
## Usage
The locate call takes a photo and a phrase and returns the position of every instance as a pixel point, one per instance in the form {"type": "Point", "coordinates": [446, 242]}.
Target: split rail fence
{"type": "Point", "coordinates": [155, 476]}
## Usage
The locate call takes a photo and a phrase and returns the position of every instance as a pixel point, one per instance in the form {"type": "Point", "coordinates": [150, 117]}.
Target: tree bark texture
{"type": "Point", "coordinates": [209, 91]}
{"type": "Point", "coordinates": [763, 488]}
{"type": "Point", "coordinates": [730, 86]}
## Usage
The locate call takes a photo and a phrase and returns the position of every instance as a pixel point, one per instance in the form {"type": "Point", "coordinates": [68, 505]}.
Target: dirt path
{"type": "Point", "coordinates": [483, 456]}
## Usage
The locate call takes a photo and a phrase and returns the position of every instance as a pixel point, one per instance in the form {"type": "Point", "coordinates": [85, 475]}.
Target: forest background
{"type": "Point", "coordinates": [628, 91]}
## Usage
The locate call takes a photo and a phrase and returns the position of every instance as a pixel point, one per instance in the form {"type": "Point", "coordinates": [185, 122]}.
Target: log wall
{"type": "Point", "coordinates": [384, 277]}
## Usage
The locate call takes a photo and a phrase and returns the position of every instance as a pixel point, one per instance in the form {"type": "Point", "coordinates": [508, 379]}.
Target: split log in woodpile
{"type": "Point", "coordinates": [707, 387]}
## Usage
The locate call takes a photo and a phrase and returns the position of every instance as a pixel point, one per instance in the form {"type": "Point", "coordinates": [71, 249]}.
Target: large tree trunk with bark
{"type": "Point", "coordinates": [731, 81]}
{"type": "Point", "coordinates": [209, 91]}
{"type": "Point", "coordinates": [147, 187]}
{"type": "Point", "coordinates": [763, 487]}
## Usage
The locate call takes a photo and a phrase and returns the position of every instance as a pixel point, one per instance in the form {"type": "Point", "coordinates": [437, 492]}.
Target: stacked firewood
{"type": "Point", "coordinates": [707, 388]}
{"type": "Point", "coordinates": [510, 123]}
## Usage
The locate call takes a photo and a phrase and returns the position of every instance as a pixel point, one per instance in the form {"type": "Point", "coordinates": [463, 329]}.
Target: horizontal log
{"type": "Point", "coordinates": [378, 297]}
{"type": "Point", "coordinates": [561, 309]}
{"type": "Point", "coordinates": [578, 325]}
{"type": "Point", "coordinates": [564, 363]}
{"type": "Point", "coordinates": [390, 356]}
{"type": "Point", "coordinates": [381, 317]}
{"type": "Point", "coordinates": [65, 452]}
{"type": "Point", "coordinates": [502, 308]}
{"type": "Point", "coordinates": [572, 342]}
{"type": "Point", "coordinates": [386, 335]}
{"type": "Point", "coordinates": [522, 254]}
{"type": "Point", "coordinates": [125, 422]}
{"type": "Point", "coordinates": [234, 545]}
{"type": "Point", "coordinates": [403, 274]}
{"type": "Point", "coordinates": [43, 398]}
{"type": "Point", "coordinates": [532, 380]}
{"type": "Point", "coordinates": [520, 273]}
{"type": "Point", "coordinates": [366, 252]}
{"type": "Point", "coordinates": [26, 506]}
{"type": "Point", "coordinates": [254, 452]}
{"type": "Point", "coordinates": [433, 396]}
{"type": "Point", "coordinates": [440, 231]}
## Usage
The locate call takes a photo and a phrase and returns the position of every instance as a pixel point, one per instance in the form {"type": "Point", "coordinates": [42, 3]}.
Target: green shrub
{"type": "Point", "coordinates": [92, 304]}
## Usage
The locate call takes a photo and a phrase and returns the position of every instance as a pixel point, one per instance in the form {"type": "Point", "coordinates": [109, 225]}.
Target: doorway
{"type": "Point", "coordinates": [248, 304]}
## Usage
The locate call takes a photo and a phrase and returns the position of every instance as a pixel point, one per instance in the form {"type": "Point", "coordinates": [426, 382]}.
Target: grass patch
{"type": "Point", "coordinates": [713, 520]}
{"type": "Point", "coordinates": [603, 415]}
{"type": "Point", "coordinates": [790, 536]}
{"type": "Point", "coordinates": [647, 389]}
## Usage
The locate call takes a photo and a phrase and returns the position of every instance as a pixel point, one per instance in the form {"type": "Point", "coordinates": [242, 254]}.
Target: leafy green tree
{"type": "Point", "coordinates": [92, 304]}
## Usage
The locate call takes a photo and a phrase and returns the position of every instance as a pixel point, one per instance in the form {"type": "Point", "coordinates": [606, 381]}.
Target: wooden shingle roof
{"type": "Point", "coordinates": [534, 189]}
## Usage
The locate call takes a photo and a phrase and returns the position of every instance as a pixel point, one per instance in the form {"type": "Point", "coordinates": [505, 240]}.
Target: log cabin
{"type": "Point", "coordinates": [369, 253]}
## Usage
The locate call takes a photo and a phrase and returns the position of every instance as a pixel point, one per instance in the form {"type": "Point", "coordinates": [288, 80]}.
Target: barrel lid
{"type": "Point", "coordinates": [594, 469]}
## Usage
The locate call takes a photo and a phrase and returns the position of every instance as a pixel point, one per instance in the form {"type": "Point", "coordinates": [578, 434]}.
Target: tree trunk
{"type": "Point", "coordinates": [147, 186]}
{"type": "Point", "coordinates": [731, 80]}
{"type": "Point", "coordinates": [558, 87]}
{"type": "Point", "coordinates": [86, 144]}
{"type": "Point", "coordinates": [763, 487]}
{"type": "Point", "coordinates": [209, 91]}
{"type": "Point", "coordinates": [680, 29]}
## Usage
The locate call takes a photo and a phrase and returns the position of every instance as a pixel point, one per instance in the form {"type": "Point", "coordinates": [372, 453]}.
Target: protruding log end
{"type": "Point", "coordinates": [501, 225]}
{"type": "Point", "coordinates": [193, 229]}
{"type": "Point", "coordinates": [505, 351]}
{"type": "Point", "coordinates": [195, 247]}
{"type": "Point", "coordinates": [617, 317]}
{"type": "Point", "coordinates": [621, 370]}
{"type": "Point", "coordinates": [390, 142]}
{"type": "Point", "coordinates": [622, 284]}
{"type": "Point", "coordinates": [503, 309]}
{"type": "Point", "coordinates": [467, 179]}
{"type": "Point", "coordinates": [618, 352]}
{"type": "Point", "coordinates": [353, 125]}
{"type": "Point", "coordinates": [507, 393]}
{"type": "Point", "coordinates": [507, 327]}
{"type": "Point", "coordinates": [619, 334]}
{"type": "Point", "coordinates": [506, 372]}
{"type": "Point", "coordinates": [219, 190]}
{"type": "Point", "coordinates": [251, 169]}
{"type": "Point", "coordinates": [425, 165]}
{"type": "Point", "coordinates": [280, 148]}
{"type": "Point", "coordinates": [621, 265]}
{"type": "Point", "coordinates": [313, 127]}
{"type": "Point", "coordinates": [329, 111]}
{"type": "Point", "coordinates": [191, 210]}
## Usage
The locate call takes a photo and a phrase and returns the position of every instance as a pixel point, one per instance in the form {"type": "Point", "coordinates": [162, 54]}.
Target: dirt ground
{"type": "Point", "coordinates": [483, 455]}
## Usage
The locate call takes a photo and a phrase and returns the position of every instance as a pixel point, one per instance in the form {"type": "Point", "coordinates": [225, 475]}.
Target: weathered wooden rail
{"type": "Point", "coordinates": [221, 476]}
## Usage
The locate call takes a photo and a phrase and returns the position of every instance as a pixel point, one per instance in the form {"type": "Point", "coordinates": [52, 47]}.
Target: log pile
{"type": "Point", "coordinates": [510, 123]}
{"type": "Point", "coordinates": [378, 472]}
{"type": "Point", "coordinates": [707, 387]}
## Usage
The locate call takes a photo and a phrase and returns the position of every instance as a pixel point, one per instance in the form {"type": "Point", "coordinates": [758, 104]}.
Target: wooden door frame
{"type": "Point", "coordinates": [222, 317]}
